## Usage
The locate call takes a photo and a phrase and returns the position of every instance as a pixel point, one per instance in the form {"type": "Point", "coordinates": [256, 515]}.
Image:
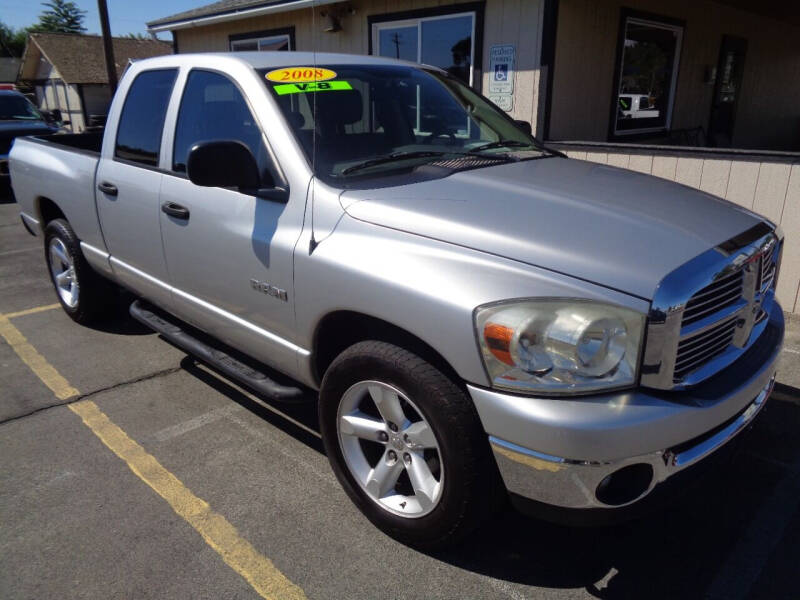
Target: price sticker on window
{"type": "Point", "coordinates": [300, 75]}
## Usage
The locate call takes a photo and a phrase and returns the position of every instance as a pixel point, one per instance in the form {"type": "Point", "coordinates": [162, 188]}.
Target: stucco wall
{"type": "Point", "coordinates": [516, 22]}
{"type": "Point", "coordinates": [768, 113]}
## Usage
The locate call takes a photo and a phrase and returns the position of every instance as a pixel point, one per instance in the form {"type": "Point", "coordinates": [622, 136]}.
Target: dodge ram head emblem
{"type": "Point", "coordinates": [269, 290]}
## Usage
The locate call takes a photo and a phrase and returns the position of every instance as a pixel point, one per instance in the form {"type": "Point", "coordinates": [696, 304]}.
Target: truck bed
{"type": "Point", "coordinates": [88, 142]}
{"type": "Point", "coordinates": [59, 169]}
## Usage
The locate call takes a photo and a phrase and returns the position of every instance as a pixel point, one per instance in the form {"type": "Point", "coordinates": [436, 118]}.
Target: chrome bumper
{"type": "Point", "coordinates": [611, 451]}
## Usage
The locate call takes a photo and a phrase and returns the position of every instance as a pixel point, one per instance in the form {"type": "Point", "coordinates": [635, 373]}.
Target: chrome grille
{"type": "Point", "coordinates": [697, 350]}
{"type": "Point", "coordinates": [713, 298]}
{"type": "Point", "coordinates": [706, 313]}
{"type": "Point", "coordinates": [767, 271]}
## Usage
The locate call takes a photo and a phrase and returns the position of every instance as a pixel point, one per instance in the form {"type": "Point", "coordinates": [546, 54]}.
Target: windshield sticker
{"type": "Point", "coordinates": [300, 74]}
{"type": "Point", "coordinates": [317, 86]}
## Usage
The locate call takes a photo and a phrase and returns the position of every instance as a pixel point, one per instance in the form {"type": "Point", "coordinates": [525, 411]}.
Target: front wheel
{"type": "Point", "coordinates": [406, 444]}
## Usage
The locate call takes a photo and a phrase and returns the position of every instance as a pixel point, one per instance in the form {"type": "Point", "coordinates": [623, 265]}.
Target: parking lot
{"type": "Point", "coordinates": [128, 470]}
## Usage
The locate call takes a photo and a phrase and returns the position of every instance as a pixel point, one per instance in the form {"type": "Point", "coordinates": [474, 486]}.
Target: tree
{"type": "Point", "coordinates": [12, 41]}
{"type": "Point", "coordinates": [137, 36]}
{"type": "Point", "coordinates": [62, 17]}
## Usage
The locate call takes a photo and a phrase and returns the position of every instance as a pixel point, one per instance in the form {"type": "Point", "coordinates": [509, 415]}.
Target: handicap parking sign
{"type": "Point", "coordinates": [501, 70]}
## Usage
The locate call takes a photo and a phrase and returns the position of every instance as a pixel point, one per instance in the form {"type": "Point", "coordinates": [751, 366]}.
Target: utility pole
{"type": "Point", "coordinates": [396, 40]}
{"type": "Point", "coordinates": [108, 46]}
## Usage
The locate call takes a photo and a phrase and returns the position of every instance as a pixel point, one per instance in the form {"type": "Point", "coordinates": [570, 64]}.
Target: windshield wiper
{"type": "Point", "coordinates": [395, 156]}
{"type": "Point", "coordinates": [501, 144]}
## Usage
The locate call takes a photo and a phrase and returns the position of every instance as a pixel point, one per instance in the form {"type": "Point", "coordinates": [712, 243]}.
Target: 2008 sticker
{"type": "Point", "coordinates": [314, 86]}
{"type": "Point", "coordinates": [300, 74]}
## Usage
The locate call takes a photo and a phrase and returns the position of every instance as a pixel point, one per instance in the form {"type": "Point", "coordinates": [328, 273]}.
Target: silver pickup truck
{"type": "Point", "coordinates": [482, 317]}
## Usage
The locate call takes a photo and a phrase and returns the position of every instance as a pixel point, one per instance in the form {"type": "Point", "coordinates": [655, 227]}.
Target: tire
{"type": "Point", "coordinates": [459, 497]}
{"type": "Point", "coordinates": [84, 295]}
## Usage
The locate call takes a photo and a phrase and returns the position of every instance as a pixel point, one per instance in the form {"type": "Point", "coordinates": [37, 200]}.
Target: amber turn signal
{"type": "Point", "coordinates": [498, 340]}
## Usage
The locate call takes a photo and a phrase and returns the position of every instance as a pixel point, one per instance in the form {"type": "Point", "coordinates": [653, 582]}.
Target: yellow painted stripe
{"type": "Point", "coordinates": [32, 311]}
{"type": "Point", "coordinates": [237, 552]}
{"type": "Point", "coordinates": [35, 361]}
{"type": "Point", "coordinates": [217, 532]}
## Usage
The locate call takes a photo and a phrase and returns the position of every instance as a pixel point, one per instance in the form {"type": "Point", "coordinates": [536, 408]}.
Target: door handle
{"type": "Point", "coordinates": [107, 188]}
{"type": "Point", "coordinates": [175, 210]}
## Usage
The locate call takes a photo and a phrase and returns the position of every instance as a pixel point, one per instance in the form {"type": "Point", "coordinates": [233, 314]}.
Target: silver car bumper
{"type": "Point", "coordinates": [612, 450]}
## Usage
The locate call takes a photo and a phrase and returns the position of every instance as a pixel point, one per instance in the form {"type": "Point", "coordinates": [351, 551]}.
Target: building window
{"type": "Point", "coordinates": [649, 52]}
{"type": "Point", "coordinates": [443, 40]}
{"type": "Point", "coordinates": [269, 40]}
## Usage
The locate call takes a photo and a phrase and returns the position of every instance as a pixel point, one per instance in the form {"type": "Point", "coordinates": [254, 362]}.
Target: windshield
{"type": "Point", "coordinates": [362, 121]}
{"type": "Point", "coordinates": [14, 107]}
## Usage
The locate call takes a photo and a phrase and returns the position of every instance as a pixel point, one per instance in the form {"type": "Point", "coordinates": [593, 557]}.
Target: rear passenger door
{"type": "Point", "coordinates": [129, 181]}
{"type": "Point", "coordinates": [230, 255]}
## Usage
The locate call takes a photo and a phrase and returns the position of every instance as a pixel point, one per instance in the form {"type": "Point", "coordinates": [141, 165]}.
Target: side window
{"type": "Point", "coordinates": [212, 108]}
{"type": "Point", "coordinates": [142, 119]}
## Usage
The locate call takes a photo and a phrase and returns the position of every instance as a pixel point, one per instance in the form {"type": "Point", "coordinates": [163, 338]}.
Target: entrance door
{"type": "Point", "coordinates": [726, 90]}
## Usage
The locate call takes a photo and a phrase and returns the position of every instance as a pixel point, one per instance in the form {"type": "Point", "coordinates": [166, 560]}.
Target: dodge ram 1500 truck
{"type": "Point", "coordinates": [479, 314]}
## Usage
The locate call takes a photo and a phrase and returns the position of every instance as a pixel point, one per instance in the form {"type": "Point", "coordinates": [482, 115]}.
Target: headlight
{"type": "Point", "coordinates": [559, 346]}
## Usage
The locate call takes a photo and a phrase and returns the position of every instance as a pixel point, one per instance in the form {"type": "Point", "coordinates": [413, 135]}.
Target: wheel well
{"type": "Point", "coordinates": [48, 210]}
{"type": "Point", "coordinates": [340, 330]}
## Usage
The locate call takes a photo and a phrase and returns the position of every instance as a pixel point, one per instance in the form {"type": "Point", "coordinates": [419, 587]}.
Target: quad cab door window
{"type": "Point", "coordinates": [142, 120]}
{"type": "Point", "coordinates": [213, 109]}
{"type": "Point", "coordinates": [128, 180]}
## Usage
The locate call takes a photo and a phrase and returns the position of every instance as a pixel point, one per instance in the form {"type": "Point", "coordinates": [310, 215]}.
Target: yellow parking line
{"type": "Point", "coordinates": [35, 361]}
{"type": "Point", "coordinates": [217, 532]}
{"type": "Point", "coordinates": [32, 311]}
{"type": "Point", "coordinates": [237, 552]}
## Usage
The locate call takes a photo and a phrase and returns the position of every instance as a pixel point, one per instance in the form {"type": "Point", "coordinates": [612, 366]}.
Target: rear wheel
{"type": "Point", "coordinates": [406, 444]}
{"type": "Point", "coordinates": [83, 294]}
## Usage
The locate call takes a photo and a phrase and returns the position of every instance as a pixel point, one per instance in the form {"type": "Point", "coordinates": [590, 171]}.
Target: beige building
{"type": "Point", "coordinates": [68, 72]}
{"type": "Point", "coordinates": [704, 92]}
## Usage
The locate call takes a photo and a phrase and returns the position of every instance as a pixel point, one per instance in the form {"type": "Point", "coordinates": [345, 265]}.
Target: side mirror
{"type": "Point", "coordinates": [56, 114]}
{"type": "Point", "coordinates": [525, 126]}
{"type": "Point", "coordinates": [229, 163]}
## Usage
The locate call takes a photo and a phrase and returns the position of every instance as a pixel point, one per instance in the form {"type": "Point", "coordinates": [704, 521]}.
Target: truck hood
{"type": "Point", "coordinates": [610, 226]}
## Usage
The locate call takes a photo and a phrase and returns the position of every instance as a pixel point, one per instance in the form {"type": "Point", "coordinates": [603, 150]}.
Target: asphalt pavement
{"type": "Point", "coordinates": [159, 478]}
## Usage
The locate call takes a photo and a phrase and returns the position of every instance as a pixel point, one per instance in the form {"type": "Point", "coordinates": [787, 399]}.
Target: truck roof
{"type": "Point", "coordinates": [267, 60]}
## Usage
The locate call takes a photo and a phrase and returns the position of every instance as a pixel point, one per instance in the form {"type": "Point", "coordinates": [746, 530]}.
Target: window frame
{"type": "Point", "coordinates": [416, 17]}
{"type": "Point", "coordinates": [130, 161]}
{"type": "Point", "coordinates": [652, 20]}
{"type": "Point", "coordinates": [257, 36]}
{"type": "Point", "coordinates": [273, 166]}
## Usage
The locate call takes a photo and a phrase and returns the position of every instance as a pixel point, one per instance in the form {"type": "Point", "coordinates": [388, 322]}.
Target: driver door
{"type": "Point", "coordinates": [227, 246]}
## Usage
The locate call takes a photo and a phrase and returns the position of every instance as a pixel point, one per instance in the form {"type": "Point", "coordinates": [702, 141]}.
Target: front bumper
{"type": "Point", "coordinates": [610, 451]}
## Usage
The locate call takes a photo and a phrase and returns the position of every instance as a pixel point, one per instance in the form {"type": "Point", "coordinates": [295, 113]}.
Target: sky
{"type": "Point", "coordinates": [125, 16]}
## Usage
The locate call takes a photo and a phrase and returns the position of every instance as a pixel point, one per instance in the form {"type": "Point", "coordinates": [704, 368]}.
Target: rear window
{"type": "Point", "coordinates": [142, 119]}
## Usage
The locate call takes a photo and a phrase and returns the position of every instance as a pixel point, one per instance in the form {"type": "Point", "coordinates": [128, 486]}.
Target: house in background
{"type": "Point", "coordinates": [68, 72]}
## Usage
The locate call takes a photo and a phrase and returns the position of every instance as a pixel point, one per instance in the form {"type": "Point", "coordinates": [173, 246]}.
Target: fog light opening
{"type": "Point", "coordinates": [625, 485]}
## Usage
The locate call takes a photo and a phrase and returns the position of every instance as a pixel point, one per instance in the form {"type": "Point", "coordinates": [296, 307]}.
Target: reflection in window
{"type": "Point", "coordinates": [212, 108]}
{"type": "Point", "coordinates": [399, 42]}
{"type": "Point", "coordinates": [263, 44]}
{"type": "Point", "coordinates": [648, 73]}
{"type": "Point", "coordinates": [142, 119]}
{"type": "Point", "coordinates": [444, 42]}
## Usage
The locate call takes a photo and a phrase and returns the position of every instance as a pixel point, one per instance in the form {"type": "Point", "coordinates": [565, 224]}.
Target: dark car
{"type": "Point", "coordinates": [18, 116]}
